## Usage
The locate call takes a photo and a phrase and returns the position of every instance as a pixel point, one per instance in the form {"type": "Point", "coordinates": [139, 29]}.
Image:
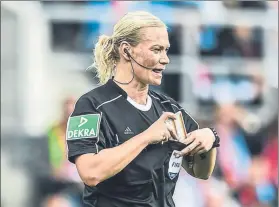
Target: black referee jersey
{"type": "Point", "coordinates": [106, 117]}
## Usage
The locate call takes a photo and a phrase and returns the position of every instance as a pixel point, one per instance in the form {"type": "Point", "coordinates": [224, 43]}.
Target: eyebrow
{"type": "Point", "coordinates": [161, 47]}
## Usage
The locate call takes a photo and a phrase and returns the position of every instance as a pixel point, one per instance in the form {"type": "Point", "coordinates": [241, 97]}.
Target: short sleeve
{"type": "Point", "coordinates": [85, 130]}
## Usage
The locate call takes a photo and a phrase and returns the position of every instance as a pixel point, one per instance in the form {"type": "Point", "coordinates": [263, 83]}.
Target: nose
{"type": "Point", "coordinates": [165, 59]}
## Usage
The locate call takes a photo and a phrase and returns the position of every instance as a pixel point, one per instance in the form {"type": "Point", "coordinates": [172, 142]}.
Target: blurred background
{"type": "Point", "coordinates": [223, 71]}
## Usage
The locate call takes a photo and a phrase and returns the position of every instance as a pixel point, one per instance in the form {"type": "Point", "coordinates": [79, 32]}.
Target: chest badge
{"type": "Point", "coordinates": [128, 131]}
{"type": "Point", "coordinates": [174, 164]}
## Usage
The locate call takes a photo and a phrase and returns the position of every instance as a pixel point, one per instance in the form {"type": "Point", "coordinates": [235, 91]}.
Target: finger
{"type": "Point", "coordinates": [166, 135]}
{"type": "Point", "coordinates": [168, 115]}
{"type": "Point", "coordinates": [198, 148]}
{"type": "Point", "coordinates": [189, 148]}
{"type": "Point", "coordinates": [171, 127]}
{"type": "Point", "coordinates": [191, 138]}
{"type": "Point", "coordinates": [191, 134]}
{"type": "Point", "coordinates": [173, 133]}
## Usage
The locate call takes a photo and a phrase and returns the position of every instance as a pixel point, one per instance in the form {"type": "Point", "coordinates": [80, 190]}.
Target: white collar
{"type": "Point", "coordinates": [141, 107]}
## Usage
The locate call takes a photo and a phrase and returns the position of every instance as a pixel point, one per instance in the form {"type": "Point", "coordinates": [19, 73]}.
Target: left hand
{"type": "Point", "coordinates": [200, 141]}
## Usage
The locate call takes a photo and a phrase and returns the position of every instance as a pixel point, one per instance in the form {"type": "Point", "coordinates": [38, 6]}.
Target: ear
{"type": "Point", "coordinates": [124, 50]}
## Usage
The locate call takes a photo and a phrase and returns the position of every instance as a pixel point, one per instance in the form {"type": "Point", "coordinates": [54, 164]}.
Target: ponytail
{"type": "Point", "coordinates": [105, 58]}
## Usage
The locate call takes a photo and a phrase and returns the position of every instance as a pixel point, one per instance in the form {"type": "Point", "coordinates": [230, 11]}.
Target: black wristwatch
{"type": "Point", "coordinates": [216, 143]}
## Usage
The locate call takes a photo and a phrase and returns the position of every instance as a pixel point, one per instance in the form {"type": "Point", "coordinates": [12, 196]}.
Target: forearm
{"type": "Point", "coordinates": [204, 166]}
{"type": "Point", "coordinates": [201, 167]}
{"type": "Point", "coordinates": [109, 162]}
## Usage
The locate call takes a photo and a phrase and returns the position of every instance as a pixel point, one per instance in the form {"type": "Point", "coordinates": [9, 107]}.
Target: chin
{"type": "Point", "coordinates": [156, 82]}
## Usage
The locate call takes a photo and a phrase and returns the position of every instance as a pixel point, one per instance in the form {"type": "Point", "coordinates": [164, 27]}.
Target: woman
{"type": "Point", "coordinates": [117, 135]}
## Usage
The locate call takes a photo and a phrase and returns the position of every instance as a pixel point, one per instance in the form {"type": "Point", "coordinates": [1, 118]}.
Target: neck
{"type": "Point", "coordinates": [135, 90]}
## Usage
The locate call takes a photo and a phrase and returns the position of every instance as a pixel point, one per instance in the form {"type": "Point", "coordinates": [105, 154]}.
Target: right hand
{"type": "Point", "coordinates": [159, 131]}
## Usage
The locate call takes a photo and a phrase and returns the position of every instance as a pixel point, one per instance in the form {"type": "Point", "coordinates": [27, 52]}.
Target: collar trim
{"type": "Point", "coordinates": [140, 106]}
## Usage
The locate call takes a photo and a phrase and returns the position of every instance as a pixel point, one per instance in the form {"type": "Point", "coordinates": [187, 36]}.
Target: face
{"type": "Point", "coordinates": [151, 52]}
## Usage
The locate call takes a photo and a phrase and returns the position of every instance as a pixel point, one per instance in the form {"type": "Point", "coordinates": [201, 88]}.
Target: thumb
{"type": "Point", "coordinates": [168, 115]}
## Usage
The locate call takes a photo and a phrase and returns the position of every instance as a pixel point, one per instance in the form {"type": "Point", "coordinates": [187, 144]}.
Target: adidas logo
{"type": "Point", "coordinates": [128, 131]}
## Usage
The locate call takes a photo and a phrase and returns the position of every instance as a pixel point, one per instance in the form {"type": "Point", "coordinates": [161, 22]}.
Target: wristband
{"type": "Point", "coordinates": [216, 143]}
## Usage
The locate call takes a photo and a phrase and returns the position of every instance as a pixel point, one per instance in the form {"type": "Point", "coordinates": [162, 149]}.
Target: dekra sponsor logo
{"type": "Point", "coordinates": [82, 133]}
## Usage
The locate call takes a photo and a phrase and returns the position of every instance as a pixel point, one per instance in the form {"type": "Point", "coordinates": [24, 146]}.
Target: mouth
{"type": "Point", "coordinates": [159, 71]}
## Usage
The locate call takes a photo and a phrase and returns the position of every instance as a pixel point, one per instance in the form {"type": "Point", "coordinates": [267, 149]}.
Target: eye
{"type": "Point", "coordinates": [157, 50]}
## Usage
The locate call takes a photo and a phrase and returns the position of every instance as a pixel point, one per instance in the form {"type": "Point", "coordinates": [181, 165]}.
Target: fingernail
{"type": "Point", "coordinates": [179, 154]}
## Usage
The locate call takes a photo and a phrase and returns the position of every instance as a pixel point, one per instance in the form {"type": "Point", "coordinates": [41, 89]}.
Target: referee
{"type": "Point", "coordinates": [117, 136]}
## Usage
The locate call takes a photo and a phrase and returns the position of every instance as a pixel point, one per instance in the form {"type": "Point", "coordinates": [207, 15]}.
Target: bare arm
{"type": "Point", "coordinates": [95, 168]}
{"type": "Point", "coordinates": [199, 156]}
{"type": "Point", "coordinates": [200, 167]}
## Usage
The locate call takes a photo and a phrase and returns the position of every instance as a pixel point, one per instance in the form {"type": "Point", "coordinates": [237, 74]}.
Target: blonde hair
{"type": "Point", "coordinates": [106, 53]}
